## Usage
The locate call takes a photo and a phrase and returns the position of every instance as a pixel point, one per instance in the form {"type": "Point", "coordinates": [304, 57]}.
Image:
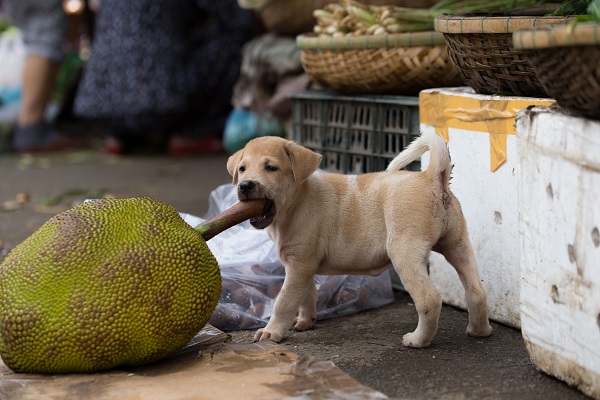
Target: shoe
{"type": "Point", "coordinates": [41, 138]}
{"type": "Point", "coordinates": [113, 145]}
{"type": "Point", "coordinates": [132, 143]}
{"type": "Point", "coordinates": [181, 146]}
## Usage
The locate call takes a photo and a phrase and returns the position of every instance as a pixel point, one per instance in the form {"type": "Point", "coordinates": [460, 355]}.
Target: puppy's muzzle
{"type": "Point", "coordinates": [249, 190]}
{"type": "Point", "coordinates": [246, 189]}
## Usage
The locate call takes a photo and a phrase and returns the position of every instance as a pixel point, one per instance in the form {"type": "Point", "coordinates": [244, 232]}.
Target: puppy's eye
{"type": "Point", "coordinates": [271, 168]}
{"type": "Point", "coordinates": [242, 169]}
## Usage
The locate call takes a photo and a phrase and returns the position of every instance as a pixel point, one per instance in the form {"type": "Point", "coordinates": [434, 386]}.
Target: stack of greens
{"type": "Point", "coordinates": [353, 18]}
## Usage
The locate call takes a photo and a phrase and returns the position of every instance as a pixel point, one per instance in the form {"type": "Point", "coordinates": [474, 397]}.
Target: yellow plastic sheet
{"type": "Point", "coordinates": [444, 109]}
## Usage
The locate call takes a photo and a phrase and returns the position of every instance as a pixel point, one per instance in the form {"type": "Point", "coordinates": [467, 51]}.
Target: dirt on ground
{"type": "Point", "coordinates": [366, 345]}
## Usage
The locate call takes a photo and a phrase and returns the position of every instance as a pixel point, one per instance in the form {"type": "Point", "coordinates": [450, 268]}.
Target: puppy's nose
{"type": "Point", "coordinates": [246, 186]}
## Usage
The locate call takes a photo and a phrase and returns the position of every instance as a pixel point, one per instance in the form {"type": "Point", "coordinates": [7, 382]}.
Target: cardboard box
{"type": "Point", "coordinates": [559, 200]}
{"type": "Point", "coordinates": [481, 137]}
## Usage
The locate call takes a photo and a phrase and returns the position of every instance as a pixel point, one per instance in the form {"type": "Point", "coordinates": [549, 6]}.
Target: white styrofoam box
{"type": "Point", "coordinates": [482, 143]}
{"type": "Point", "coordinates": [559, 196]}
{"type": "Point", "coordinates": [489, 204]}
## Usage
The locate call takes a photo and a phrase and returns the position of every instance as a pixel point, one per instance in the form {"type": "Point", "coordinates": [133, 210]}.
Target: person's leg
{"type": "Point", "coordinates": [39, 74]}
{"type": "Point", "coordinates": [32, 133]}
{"type": "Point", "coordinates": [44, 27]}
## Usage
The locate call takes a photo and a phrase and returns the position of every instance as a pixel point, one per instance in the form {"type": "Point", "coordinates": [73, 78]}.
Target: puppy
{"type": "Point", "coordinates": [327, 223]}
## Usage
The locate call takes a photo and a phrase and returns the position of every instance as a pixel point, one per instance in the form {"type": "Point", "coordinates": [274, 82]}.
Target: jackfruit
{"type": "Point", "coordinates": [109, 283]}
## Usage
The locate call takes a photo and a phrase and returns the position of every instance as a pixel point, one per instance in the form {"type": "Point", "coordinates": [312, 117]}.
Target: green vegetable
{"type": "Point", "coordinates": [109, 283]}
{"type": "Point", "coordinates": [591, 12]}
{"type": "Point", "coordinates": [480, 6]}
{"type": "Point", "coordinates": [572, 7]}
{"type": "Point", "coordinates": [4, 24]}
{"type": "Point", "coordinates": [351, 17]}
{"type": "Point", "coordinates": [594, 10]}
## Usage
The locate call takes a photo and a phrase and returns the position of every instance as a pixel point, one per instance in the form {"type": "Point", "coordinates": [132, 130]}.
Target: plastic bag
{"type": "Point", "coordinates": [244, 125]}
{"type": "Point", "coordinates": [12, 54]}
{"type": "Point", "coordinates": [253, 274]}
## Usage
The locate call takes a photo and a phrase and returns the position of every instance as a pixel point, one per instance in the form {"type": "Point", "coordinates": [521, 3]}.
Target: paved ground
{"type": "Point", "coordinates": [365, 345]}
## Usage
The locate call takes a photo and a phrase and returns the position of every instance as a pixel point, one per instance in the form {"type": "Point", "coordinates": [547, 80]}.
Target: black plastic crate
{"type": "Point", "coordinates": [355, 134]}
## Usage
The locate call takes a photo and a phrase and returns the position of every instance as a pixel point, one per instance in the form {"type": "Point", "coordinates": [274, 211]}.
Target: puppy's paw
{"type": "Point", "coordinates": [479, 331]}
{"type": "Point", "coordinates": [414, 340]}
{"type": "Point", "coordinates": [263, 334]}
{"type": "Point", "coordinates": [303, 324]}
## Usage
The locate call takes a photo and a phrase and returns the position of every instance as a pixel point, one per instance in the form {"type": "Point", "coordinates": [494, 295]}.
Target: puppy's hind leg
{"type": "Point", "coordinates": [410, 262]}
{"type": "Point", "coordinates": [457, 250]}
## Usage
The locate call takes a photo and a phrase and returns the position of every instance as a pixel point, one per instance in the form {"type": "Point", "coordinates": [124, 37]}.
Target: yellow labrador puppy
{"type": "Point", "coordinates": [327, 223]}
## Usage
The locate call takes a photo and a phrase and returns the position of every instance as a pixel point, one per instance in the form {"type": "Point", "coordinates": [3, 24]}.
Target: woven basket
{"type": "Point", "coordinates": [482, 49]}
{"type": "Point", "coordinates": [567, 64]}
{"type": "Point", "coordinates": [403, 63]}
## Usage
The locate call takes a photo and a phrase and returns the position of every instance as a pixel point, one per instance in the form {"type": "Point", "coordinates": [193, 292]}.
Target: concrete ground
{"type": "Point", "coordinates": [366, 345]}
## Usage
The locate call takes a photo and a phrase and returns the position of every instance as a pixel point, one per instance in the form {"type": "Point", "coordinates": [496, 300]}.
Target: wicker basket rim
{"type": "Point", "coordinates": [463, 24]}
{"type": "Point", "coordinates": [407, 39]}
{"type": "Point", "coordinates": [582, 34]}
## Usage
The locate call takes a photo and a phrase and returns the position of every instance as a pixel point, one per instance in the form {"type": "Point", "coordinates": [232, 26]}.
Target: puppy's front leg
{"type": "Point", "coordinates": [293, 292]}
{"type": "Point", "coordinates": [307, 314]}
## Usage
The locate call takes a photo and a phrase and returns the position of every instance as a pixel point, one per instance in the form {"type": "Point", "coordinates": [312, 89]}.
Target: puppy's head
{"type": "Point", "coordinates": [271, 168]}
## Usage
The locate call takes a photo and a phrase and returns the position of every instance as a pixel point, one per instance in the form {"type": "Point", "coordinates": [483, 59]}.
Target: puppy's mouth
{"type": "Point", "coordinates": [266, 218]}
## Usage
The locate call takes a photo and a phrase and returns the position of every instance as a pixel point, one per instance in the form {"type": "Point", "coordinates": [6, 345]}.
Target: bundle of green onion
{"type": "Point", "coordinates": [353, 18]}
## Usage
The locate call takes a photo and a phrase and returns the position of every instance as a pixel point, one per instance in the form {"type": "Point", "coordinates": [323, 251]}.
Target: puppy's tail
{"type": "Point", "coordinates": [439, 168]}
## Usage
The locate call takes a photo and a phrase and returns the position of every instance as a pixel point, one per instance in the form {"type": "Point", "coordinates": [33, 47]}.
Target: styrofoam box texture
{"type": "Point", "coordinates": [559, 196]}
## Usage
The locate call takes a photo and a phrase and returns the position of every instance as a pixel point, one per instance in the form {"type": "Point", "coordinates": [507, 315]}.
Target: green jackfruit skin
{"type": "Point", "coordinates": [109, 283]}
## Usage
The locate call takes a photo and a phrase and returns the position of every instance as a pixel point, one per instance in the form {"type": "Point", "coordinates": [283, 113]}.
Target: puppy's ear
{"type": "Point", "coordinates": [304, 161]}
{"type": "Point", "coordinates": [232, 165]}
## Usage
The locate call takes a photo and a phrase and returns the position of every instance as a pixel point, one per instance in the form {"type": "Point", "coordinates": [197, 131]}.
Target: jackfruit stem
{"type": "Point", "coordinates": [235, 214]}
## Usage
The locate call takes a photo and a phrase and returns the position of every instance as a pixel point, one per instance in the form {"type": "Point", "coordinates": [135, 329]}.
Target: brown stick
{"type": "Point", "coordinates": [235, 214]}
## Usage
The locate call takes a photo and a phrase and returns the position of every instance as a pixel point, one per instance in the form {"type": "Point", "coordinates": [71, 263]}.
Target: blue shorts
{"type": "Point", "coordinates": [43, 23]}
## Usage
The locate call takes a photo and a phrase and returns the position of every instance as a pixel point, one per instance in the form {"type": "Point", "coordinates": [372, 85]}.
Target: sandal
{"type": "Point", "coordinates": [134, 143]}
{"type": "Point", "coordinates": [41, 138]}
{"type": "Point", "coordinates": [113, 145]}
{"type": "Point", "coordinates": [182, 146]}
